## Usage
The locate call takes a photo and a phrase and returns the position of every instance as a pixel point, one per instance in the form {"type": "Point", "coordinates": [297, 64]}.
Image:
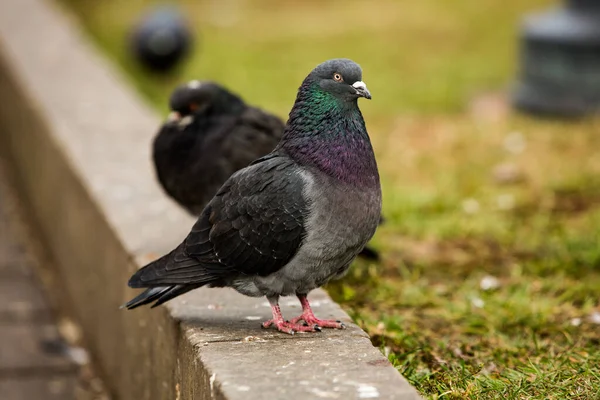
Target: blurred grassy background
{"type": "Point", "coordinates": [424, 56]}
{"type": "Point", "coordinates": [489, 286]}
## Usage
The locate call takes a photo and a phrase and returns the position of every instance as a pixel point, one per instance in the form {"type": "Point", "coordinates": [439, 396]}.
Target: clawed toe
{"type": "Point", "coordinates": [305, 322]}
{"type": "Point", "coordinates": [324, 323]}
{"type": "Point", "coordinates": [290, 327]}
{"type": "Point", "coordinates": [320, 323]}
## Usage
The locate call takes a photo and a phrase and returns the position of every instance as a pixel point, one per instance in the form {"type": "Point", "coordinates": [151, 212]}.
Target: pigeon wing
{"type": "Point", "coordinates": [255, 223]}
{"type": "Point", "coordinates": [254, 226]}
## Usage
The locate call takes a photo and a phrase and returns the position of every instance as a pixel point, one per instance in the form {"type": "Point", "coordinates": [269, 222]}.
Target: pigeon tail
{"type": "Point", "coordinates": [160, 293]}
{"type": "Point", "coordinates": [162, 286]}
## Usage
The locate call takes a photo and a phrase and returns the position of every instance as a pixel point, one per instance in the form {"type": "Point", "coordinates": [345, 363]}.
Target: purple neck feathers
{"type": "Point", "coordinates": [328, 134]}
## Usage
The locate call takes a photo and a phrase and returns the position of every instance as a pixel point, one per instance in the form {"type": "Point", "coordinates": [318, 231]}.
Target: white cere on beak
{"type": "Point", "coordinates": [194, 84]}
{"type": "Point", "coordinates": [173, 116]}
{"type": "Point", "coordinates": [185, 121]}
{"type": "Point", "coordinates": [359, 85]}
{"type": "Point", "coordinates": [361, 89]}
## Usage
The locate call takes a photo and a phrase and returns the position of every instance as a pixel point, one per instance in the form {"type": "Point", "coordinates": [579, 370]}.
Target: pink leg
{"type": "Point", "coordinates": [309, 317]}
{"type": "Point", "coordinates": [286, 326]}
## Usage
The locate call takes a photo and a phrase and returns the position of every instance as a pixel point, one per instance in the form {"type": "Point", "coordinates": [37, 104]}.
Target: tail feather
{"type": "Point", "coordinates": [175, 268]}
{"type": "Point", "coordinates": [144, 276]}
{"type": "Point", "coordinates": [173, 292]}
{"type": "Point", "coordinates": [146, 297]}
{"type": "Point", "coordinates": [160, 294]}
{"type": "Point", "coordinates": [168, 277]}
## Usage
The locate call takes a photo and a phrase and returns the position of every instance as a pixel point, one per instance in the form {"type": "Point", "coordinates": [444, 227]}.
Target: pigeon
{"type": "Point", "coordinates": [210, 134]}
{"type": "Point", "coordinates": [291, 220]}
{"type": "Point", "coordinates": [161, 39]}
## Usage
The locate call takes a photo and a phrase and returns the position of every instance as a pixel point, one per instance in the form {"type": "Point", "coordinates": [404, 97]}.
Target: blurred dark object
{"type": "Point", "coordinates": [560, 61]}
{"type": "Point", "coordinates": [161, 40]}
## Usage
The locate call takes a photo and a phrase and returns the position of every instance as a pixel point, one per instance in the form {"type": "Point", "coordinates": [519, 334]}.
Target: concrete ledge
{"type": "Point", "coordinates": [80, 140]}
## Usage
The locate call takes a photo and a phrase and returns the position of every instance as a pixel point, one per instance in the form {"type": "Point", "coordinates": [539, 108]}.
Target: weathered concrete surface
{"type": "Point", "coordinates": [25, 301]}
{"type": "Point", "coordinates": [80, 141]}
{"type": "Point", "coordinates": [22, 350]}
{"type": "Point", "coordinates": [38, 388]}
{"type": "Point", "coordinates": [333, 365]}
{"type": "Point", "coordinates": [35, 361]}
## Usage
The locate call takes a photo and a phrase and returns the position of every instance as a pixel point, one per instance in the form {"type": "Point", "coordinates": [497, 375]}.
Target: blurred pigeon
{"type": "Point", "coordinates": [161, 39]}
{"type": "Point", "coordinates": [210, 134]}
{"type": "Point", "coordinates": [293, 219]}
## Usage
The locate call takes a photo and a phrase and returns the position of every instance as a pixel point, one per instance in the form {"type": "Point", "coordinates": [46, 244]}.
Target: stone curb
{"type": "Point", "coordinates": [79, 139]}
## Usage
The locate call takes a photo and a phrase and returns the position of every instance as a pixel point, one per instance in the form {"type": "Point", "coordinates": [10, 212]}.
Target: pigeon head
{"type": "Point", "coordinates": [341, 78]}
{"type": "Point", "coordinates": [326, 129]}
{"type": "Point", "coordinates": [197, 98]}
{"type": "Point", "coordinates": [328, 95]}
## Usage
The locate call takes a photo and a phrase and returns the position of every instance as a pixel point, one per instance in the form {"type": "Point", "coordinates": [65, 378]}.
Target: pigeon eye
{"type": "Point", "coordinates": [337, 77]}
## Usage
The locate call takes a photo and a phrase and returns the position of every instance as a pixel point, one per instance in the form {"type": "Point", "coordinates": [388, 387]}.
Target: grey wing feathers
{"type": "Point", "coordinates": [254, 225]}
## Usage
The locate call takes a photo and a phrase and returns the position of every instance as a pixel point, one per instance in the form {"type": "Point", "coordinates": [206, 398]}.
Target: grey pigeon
{"type": "Point", "coordinates": [210, 134]}
{"type": "Point", "coordinates": [293, 219]}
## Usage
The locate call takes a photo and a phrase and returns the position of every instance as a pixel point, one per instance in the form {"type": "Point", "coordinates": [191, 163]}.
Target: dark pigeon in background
{"type": "Point", "coordinates": [210, 134]}
{"type": "Point", "coordinates": [293, 219]}
{"type": "Point", "coordinates": [161, 40]}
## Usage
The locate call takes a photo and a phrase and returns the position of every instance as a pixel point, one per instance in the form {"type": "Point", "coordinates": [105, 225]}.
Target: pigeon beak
{"type": "Point", "coordinates": [173, 116]}
{"type": "Point", "coordinates": [361, 90]}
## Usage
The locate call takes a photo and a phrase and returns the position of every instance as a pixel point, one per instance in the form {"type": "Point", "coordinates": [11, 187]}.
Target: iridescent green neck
{"type": "Point", "coordinates": [330, 134]}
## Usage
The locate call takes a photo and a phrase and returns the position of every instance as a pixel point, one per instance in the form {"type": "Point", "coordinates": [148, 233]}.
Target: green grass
{"type": "Point", "coordinates": [441, 139]}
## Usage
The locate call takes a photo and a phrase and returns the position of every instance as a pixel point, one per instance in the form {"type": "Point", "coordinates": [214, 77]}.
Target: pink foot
{"type": "Point", "coordinates": [286, 326]}
{"type": "Point", "coordinates": [310, 320]}
{"type": "Point", "coordinates": [309, 317]}
{"type": "Point", "coordinates": [310, 324]}
{"type": "Point", "coordinates": [290, 327]}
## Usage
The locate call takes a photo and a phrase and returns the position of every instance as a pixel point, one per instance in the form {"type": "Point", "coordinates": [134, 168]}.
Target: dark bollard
{"type": "Point", "coordinates": [161, 39]}
{"type": "Point", "coordinates": [560, 61]}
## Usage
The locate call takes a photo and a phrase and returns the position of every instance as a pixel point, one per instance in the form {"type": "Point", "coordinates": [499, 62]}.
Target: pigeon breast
{"type": "Point", "coordinates": [336, 231]}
